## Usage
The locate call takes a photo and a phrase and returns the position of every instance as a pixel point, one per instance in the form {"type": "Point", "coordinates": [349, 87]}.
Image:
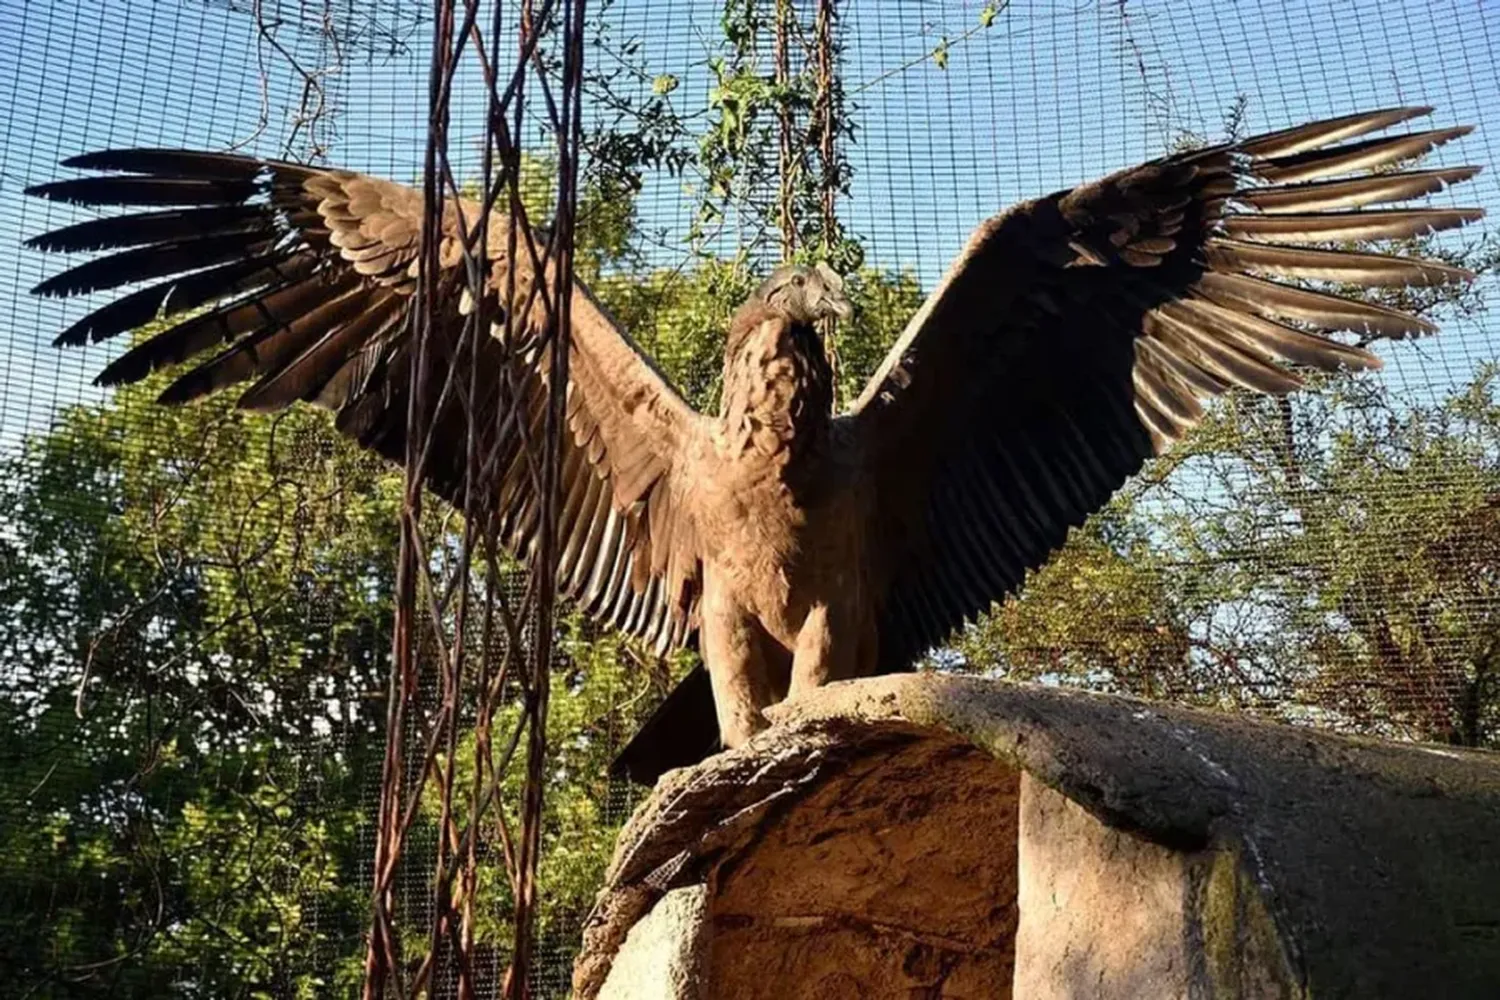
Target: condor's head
{"type": "Point", "coordinates": [805, 295]}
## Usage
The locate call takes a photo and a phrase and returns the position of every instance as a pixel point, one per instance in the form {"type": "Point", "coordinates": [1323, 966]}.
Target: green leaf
{"type": "Point", "coordinates": [664, 84]}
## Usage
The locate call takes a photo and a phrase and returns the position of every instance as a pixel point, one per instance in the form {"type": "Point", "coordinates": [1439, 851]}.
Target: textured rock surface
{"type": "Point", "coordinates": [663, 956]}
{"type": "Point", "coordinates": [1113, 916]}
{"type": "Point", "coordinates": [866, 846]}
{"type": "Point", "coordinates": [1106, 912]}
{"type": "Point", "coordinates": [879, 882]}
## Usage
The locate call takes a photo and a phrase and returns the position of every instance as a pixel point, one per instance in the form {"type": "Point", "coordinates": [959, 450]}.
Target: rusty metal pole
{"type": "Point", "coordinates": [435, 603]}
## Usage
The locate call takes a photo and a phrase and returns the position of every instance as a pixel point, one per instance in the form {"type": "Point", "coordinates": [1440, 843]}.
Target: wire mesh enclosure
{"type": "Point", "coordinates": [254, 681]}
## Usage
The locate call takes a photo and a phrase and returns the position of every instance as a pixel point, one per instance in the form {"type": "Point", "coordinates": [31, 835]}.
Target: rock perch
{"type": "Point", "coordinates": [947, 837]}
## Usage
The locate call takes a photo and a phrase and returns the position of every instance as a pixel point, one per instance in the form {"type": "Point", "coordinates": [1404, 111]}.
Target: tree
{"type": "Point", "coordinates": [1327, 558]}
{"type": "Point", "coordinates": [194, 631]}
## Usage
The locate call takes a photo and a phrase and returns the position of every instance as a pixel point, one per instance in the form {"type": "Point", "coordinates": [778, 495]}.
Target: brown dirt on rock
{"type": "Point", "coordinates": [884, 882]}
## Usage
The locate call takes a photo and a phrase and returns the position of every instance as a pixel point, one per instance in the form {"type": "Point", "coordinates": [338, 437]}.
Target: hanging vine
{"type": "Point", "coordinates": [771, 151]}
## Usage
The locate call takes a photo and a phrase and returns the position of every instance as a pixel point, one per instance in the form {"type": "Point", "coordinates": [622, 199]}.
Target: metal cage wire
{"type": "Point", "coordinates": [952, 110]}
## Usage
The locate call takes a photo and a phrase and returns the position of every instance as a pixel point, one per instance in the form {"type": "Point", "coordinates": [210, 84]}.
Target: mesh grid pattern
{"type": "Point", "coordinates": [1051, 94]}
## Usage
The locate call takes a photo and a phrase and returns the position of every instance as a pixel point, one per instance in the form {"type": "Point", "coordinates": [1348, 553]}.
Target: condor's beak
{"type": "Point", "coordinates": [833, 292]}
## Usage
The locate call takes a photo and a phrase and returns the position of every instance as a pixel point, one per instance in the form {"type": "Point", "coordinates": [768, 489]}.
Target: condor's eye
{"type": "Point", "coordinates": [799, 281]}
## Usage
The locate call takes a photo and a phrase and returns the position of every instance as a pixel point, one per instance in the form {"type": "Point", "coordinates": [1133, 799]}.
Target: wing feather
{"type": "Point", "coordinates": [308, 278]}
{"type": "Point", "coordinates": [1079, 334]}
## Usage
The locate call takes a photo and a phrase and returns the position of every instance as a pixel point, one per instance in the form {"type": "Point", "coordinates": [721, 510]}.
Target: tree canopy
{"type": "Point", "coordinates": [198, 610]}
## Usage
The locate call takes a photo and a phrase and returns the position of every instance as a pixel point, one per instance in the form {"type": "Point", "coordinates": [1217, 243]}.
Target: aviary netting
{"type": "Point", "coordinates": [201, 603]}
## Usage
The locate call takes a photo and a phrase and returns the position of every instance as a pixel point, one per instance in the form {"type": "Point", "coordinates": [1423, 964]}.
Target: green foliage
{"type": "Point", "coordinates": [208, 588]}
{"type": "Point", "coordinates": [1333, 558]}
{"type": "Point", "coordinates": [198, 615]}
{"type": "Point", "coordinates": [883, 303]}
{"type": "Point", "coordinates": [679, 315]}
{"type": "Point", "coordinates": [202, 829]}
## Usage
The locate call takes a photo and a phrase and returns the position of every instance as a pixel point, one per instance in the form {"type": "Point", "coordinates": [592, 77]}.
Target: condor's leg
{"type": "Point", "coordinates": [746, 666]}
{"type": "Point", "coordinates": [832, 646]}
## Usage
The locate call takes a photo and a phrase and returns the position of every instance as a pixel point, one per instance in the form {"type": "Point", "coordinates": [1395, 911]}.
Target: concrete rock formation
{"type": "Point", "coordinates": [946, 837]}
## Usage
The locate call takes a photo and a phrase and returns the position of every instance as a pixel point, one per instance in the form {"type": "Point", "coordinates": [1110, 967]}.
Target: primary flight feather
{"type": "Point", "coordinates": [1074, 337]}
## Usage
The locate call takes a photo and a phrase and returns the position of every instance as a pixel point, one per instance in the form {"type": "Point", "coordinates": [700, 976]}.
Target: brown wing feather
{"type": "Point", "coordinates": [309, 276]}
{"type": "Point", "coordinates": [1078, 334]}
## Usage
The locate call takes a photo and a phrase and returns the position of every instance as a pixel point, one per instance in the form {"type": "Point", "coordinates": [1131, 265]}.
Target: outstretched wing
{"type": "Point", "coordinates": [1076, 335]}
{"type": "Point", "coordinates": [303, 281]}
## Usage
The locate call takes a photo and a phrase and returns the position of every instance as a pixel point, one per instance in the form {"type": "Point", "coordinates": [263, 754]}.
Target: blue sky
{"type": "Point", "coordinates": [1052, 94]}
